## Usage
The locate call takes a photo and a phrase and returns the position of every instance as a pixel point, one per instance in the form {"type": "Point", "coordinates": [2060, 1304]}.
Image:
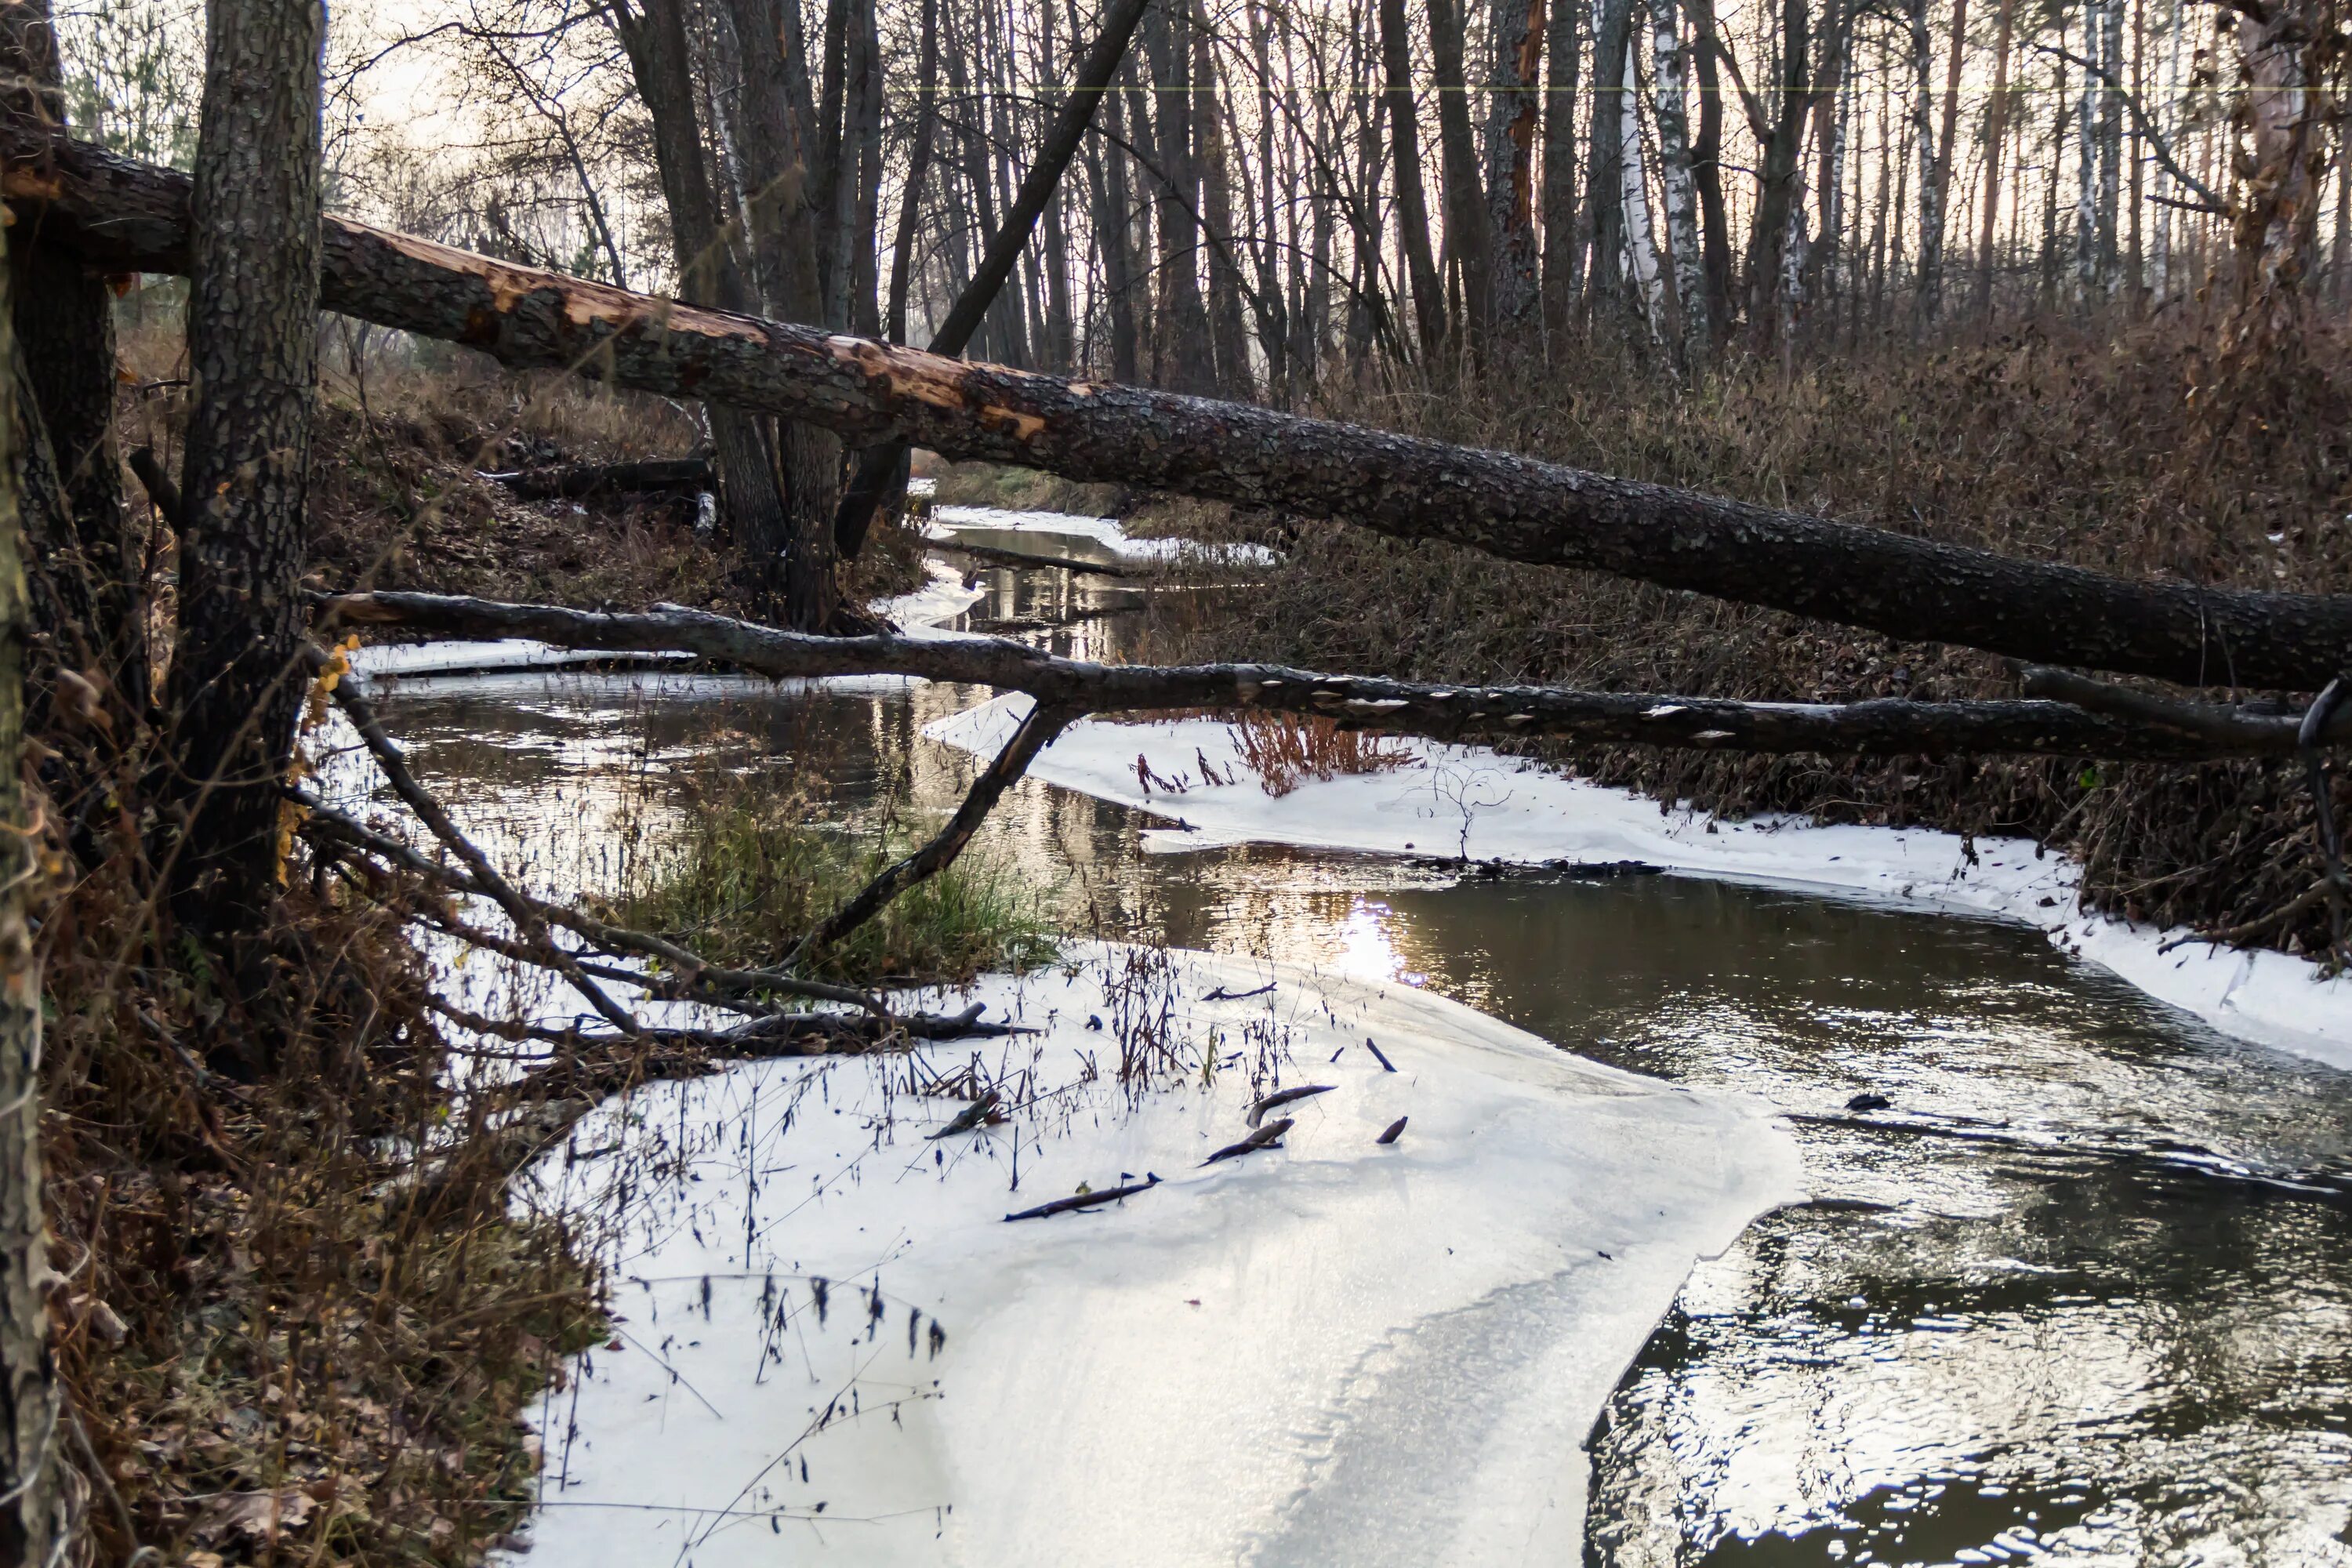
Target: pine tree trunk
{"type": "Point", "coordinates": [1229, 334]}
{"type": "Point", "coordinates": [1512, 118]}
{"type": "Point", "coordinates": [253, 308]}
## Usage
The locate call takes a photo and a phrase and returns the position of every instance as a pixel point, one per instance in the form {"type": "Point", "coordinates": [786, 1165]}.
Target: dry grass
{"type": "Point", "coordinates": [1285, 749]}
{"type": "Point", "coordinates": [2049, 445]}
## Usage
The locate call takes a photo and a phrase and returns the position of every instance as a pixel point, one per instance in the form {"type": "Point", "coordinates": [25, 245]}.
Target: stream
{"type": "Point", "coordinates": [2079, 1290]}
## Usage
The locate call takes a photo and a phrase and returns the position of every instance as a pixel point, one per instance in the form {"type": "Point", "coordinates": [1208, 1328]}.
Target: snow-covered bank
{"type": "Point", "coordinates": [1102, 532]}
{"type": "Point", "coordinates": [1466, 800]}
{"type": "Point", "coordinates": [1335, 1352]}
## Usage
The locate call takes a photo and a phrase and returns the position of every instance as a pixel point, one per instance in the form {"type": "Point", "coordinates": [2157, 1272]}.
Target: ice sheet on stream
{"type": "Point", "coordinates": [1333, 1352]}
{"type": "Point", "coordinates": [1458, 800]}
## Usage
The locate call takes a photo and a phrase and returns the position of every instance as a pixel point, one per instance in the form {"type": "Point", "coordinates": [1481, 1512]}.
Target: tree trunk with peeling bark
{"type": "Point", "coordinates": [253, 330]}
{"type": "Point", "coordinates": [1511, 121]}
{"type": "Point", "coordinates": [132, 214]}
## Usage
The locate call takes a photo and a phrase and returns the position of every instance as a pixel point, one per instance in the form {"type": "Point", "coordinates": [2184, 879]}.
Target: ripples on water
{"type": "Point", "coordinates": [2108, 1323]}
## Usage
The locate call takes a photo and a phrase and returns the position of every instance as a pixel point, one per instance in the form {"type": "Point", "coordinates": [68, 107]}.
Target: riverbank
{"type": "Point", "coordinates": [1467, 802]}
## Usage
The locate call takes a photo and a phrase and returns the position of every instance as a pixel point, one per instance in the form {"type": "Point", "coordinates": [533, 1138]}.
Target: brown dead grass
{"type": "Point", "coordinates": [2047, 444]}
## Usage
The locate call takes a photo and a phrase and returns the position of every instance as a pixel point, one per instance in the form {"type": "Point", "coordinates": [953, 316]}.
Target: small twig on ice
{"type": "Point", "coordinates": [1221, 994]}
{"type": "Point", "coordinates": [1386, 1065]}
{"type": "Point", "coordinates": [1266, 1137]}
{"type": "Point", "coordinates": [1286, 1097]}
{"type": "Point", "coordinates": [1087, 1200]}
{"type": "Point", "coordinates": [976, 1114]}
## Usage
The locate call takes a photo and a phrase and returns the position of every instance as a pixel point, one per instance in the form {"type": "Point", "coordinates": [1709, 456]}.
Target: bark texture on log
{"type": "Point", "coordinates": [253, 332]}
{"type": "Point", "coordinates": [1515, 507]}
{"type": "Point", "coordinates": [1885, 727]}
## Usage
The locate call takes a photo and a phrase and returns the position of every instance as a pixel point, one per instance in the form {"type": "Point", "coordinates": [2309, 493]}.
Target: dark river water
{"type": "Point", "coordinates": [2083, 1291]}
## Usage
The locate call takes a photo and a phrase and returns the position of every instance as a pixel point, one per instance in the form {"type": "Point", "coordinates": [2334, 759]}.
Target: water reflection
{"type": "Point", "coordinates": [2041, 1317]}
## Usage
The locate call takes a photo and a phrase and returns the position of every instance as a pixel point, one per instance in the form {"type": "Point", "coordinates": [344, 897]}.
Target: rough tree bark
{"type": "Point", "coordinates": [919, 165]}
{"type": "Point", "coordinates": [133, 215]}
{"type": "Point", "coordinates": [253, 329]}
{"type": "Point", "coordinates": [31, 1516]}
{"type": "Point", "coordinates": [1563, 51]}
{"type": "Point", "coordinates": [1511, 121]}
{"type": "Point", "coordinates": [2283, 45]}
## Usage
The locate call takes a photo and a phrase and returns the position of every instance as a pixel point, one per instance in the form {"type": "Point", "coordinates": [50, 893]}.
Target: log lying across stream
{"type": "Point", "coordinates": [124, 216]}
{"type": "Point", "coordinates": [2152, 730]}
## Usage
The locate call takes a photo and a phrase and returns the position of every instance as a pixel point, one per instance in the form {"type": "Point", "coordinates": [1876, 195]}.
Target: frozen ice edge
{"type": "Point", "coordinates": [1525, 815]}
{"type": "Point", "coordinates": [1337, 1352]}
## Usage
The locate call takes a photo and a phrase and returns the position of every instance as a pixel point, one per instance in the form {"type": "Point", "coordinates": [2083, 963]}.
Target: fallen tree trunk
{"type": "Point", "coordinates": [1882, 727]}
{"type": "Point", "coordinates": [127, 216]}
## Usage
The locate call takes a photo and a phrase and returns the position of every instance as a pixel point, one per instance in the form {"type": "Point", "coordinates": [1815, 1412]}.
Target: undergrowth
{"type": "Point", "coordinates": [277, 1347]}
{"type": "Point", "coordinates": [749, 870]}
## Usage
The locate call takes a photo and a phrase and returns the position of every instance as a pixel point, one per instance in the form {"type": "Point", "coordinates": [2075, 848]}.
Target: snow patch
{"type": "Point", "coordinates": [1335, 1352]}
{"type": "Point", "coordinates": [1466, 800]}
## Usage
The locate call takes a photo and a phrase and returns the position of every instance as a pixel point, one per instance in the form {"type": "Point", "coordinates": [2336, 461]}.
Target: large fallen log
{"type": "Point", "coordinates": [127, 216]}
{"type": "Point", "coordinates": [2181, 731]}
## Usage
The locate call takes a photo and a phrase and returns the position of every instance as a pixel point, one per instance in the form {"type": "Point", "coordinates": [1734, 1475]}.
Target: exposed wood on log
{"type": "Point", "coordinates": [668, 475]}
{"type": "Point", "coordinates": [1886, 727]}
{"type": "Point", "coordinates": [128, 214]}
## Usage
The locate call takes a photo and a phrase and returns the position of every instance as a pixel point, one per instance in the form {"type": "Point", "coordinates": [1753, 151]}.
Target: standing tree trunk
{"type": "Point", "coordinates": [1467, 238]}
{"type": "Point", "coordinates": [252, 332]}
{"type": "Point", "coordinates": [1412, 206]}
{"type": "Point", "coordinates": [1996, 126]}
{"type": "Point", "coordinates": [1928, 277]}
{"type": "Point", "coordinates": [1511, 121]}
{"type": "Point", "coordinates": [1184, 318]}
{"type": "Point", "coordinates": [32, 1519]}
{"type": "Point", "coordinates": [2111, 146]}
{"type": "Point", "coordinates": [1783, 174]}
{"type": "Point", "coordinates": [1687, 302]}
{"type": "Point", "coordinates": [64, 340]}
{"type": "Point", "coordinates": [1228, 333]}
{"type": "Point", "coordinates": [918, 164]}
{"type": "Point", "coordinates": [1115, 232]}
{"type": "Point", "coordinates": [1605, 183]}
{"type": "Point", "coordinates": [2278, 210]}
{"type": "Point", "coordinates": [1563, 57]}
{"type": "Point", "coordinates": [1707, 168]}
{"type": "Point", "coordinates": [782, 562]}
